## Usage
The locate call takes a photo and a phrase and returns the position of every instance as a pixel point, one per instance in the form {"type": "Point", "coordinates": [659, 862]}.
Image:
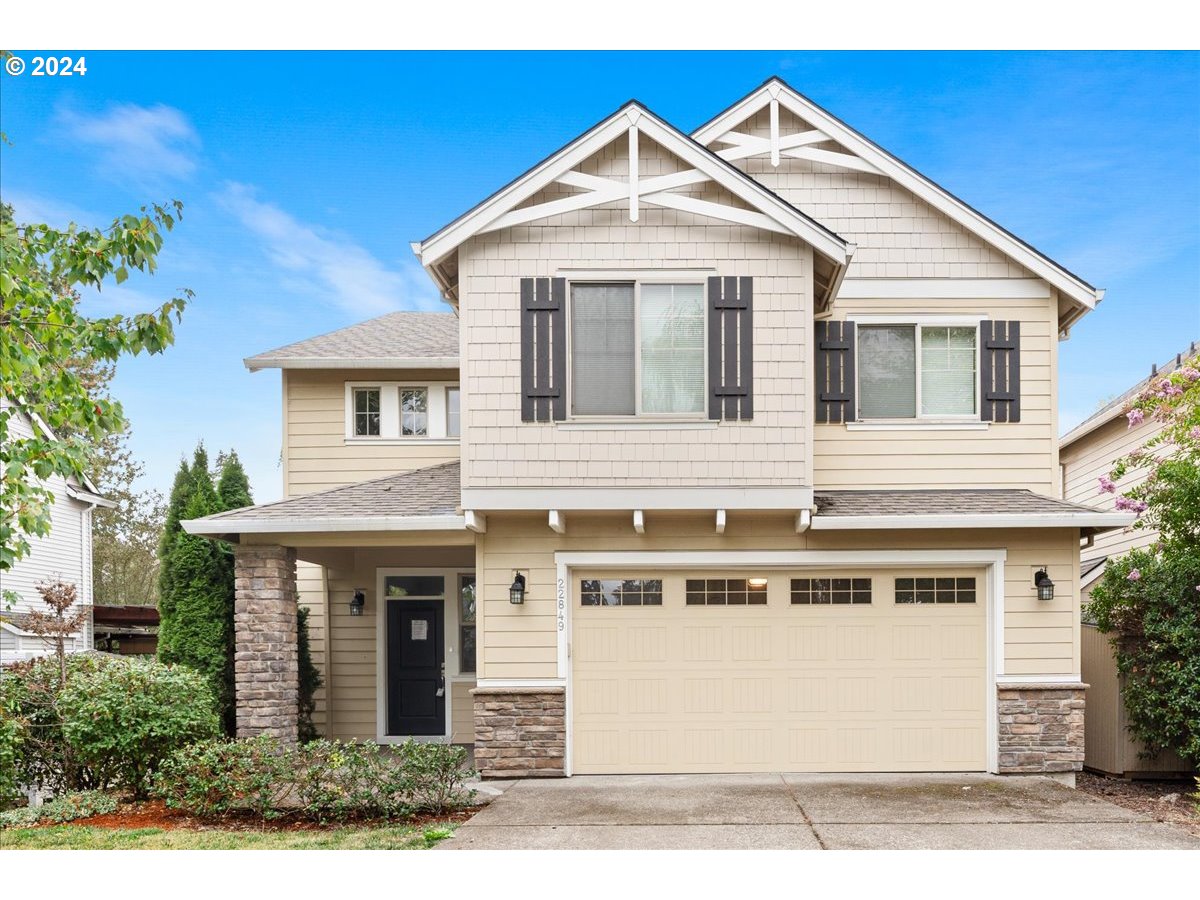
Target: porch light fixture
{"type": "Point", "coordinates": [357, 602]}
{"type": "Point", "coordinates": [1045, 587]}
{"type": "Point", "coordinates": [516, 593]}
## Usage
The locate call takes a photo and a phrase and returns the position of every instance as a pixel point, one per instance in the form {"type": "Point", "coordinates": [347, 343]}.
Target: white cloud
{"type": "Point", "coordinates": [142, 143]}
{"type": "Point", "coordinates": [30, 207]}
{"type": "Point", "coordinates": [327, 263]}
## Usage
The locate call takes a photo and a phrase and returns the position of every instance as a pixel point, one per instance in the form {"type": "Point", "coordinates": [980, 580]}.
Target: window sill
{"type": "Point", "coordinates": [640, 424]}
{"type": "Point", "coordinates": [400, 442]}
{"type": "Point", "coordinates": [921, 425]}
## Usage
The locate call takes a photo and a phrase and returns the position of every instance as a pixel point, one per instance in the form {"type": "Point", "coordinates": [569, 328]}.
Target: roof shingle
{"type": "Point", "coordinates": [1000, 502]}
{"type": "Point", "coordinates": [421, 337]}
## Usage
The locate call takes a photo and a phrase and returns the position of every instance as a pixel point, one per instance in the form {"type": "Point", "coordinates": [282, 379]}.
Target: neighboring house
{"type": "Point", "coordinates": [66, 553]}
{"type": "Point", "coordinates": [1086, 453]}
{"type": "Point", "coordinates": [737, 452]}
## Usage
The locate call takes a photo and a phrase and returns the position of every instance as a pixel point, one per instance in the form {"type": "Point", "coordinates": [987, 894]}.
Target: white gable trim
{"type": "Point", "coordinates": [500, 210]}
{"type": "Point", "coordinates": [720, 130]}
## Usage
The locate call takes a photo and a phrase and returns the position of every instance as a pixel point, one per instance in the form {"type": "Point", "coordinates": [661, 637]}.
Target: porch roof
{"type": "Point", "coordinates": [991, 508]}
{"type": "Point", "coordinates": [421, 500]}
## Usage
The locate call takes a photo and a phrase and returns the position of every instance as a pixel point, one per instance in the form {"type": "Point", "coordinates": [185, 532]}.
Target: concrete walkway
{"type": "Point", "coordinates": [805, 812]}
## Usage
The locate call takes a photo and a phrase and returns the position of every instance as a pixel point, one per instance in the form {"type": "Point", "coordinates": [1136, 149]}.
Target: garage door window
{"type": "Point", "coordinates": [726, 591]}
{"type": "Point", "coordinates": [621, 592]}
{"type": "Point", "coordinates": [935, 590]}
{"type": "Point", "coordinates": [816, 591]}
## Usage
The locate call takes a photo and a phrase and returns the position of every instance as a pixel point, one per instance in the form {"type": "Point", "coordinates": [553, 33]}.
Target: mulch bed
{"type": "Point", "coordinates": [1164, 801]}
{"type": "Point", "coordinates": [155, 814]}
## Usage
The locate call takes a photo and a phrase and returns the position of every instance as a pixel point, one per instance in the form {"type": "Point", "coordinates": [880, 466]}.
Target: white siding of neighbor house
{"type": "Point", "coordinates": [498, 449]}
{"type": "Point", "coordinates": [316, 456]}
{"type": "Point", "coordinates": [64, 553]}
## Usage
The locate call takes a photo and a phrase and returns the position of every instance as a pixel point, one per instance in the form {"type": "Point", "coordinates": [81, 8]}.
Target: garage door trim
{"type": "Point", "coordinates": [992, 560]}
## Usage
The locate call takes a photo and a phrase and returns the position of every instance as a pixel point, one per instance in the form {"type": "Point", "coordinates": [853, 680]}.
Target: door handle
{"type": "Point", "coordinates": [441, 691]}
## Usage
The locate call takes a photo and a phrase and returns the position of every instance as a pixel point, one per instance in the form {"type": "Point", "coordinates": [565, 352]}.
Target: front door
{"type": "Point", "coordinates": [416, 684]}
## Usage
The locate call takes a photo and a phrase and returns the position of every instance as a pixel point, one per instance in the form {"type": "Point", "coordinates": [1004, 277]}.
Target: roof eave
{"type": "Point", "coordinates": [224, 528]}
{"type": "Point", "coordinates": [1094, 522]}
{"type": "Point", "coordinates": [257, 363]}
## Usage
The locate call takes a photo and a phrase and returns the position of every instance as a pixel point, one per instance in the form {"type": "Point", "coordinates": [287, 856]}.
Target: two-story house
{"type": "Point", "coordinates": [737, 452]}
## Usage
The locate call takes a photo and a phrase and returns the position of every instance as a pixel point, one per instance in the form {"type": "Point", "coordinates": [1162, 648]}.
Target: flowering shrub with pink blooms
{"type": "Point", "coordinates": [1148, 601]}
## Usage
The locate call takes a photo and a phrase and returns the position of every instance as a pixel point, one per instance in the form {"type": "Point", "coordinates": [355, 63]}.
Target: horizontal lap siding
{"type": "Point", "coordinates": [1041, 638]}
{"type": "Point", "coordinates": [1018, 455]}
{"type": "Point", "coordinates": [500, 450]}
{"type": "Point", "coordinates": [1093, 455]}
{"type": "Point", "coordinates": [316, 453]}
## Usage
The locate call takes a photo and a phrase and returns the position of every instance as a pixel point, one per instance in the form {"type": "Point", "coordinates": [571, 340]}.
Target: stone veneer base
{"type": "Point", "coordinates": [1041, 728]}
{"type": "Point", "coordinates": [520, 732]}
{"type": "Point", "coordinates": [265, 661]}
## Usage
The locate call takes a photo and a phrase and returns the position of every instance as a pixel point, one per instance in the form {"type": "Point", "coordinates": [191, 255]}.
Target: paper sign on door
{"type": "Point", "coordinates": [420, 630]}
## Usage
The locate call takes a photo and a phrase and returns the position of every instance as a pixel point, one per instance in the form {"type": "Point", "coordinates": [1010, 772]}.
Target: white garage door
{"type": "Point", "coordinates": [797, 671]}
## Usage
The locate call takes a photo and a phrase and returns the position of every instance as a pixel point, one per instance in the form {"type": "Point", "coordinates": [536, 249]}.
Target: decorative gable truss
{"type": "Point", "coordinates": [760, 207]}
{"type": "Point", "coordinates": [842, 146]}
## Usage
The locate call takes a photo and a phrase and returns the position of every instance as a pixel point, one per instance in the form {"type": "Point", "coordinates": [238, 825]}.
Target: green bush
{"type": "Point", "coordinates": [214, 777]}
{"type": "Point", "coordinates": [68, 808]}
{"type": "Point", "coordinates": [10, 751]}
{"type": "Point", "coordinates": [122, 720]}
{"type": "Point", "coordinates": [323, 780]}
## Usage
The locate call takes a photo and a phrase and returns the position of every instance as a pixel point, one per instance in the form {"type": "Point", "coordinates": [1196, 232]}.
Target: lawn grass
{"type": "Point", "coordinates": [77, 837]}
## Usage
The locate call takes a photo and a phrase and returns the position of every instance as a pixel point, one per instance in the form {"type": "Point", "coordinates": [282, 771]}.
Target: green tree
{"type": "Point", "coordinates": [44, 338]}
{"type": "Point", "coordinates": [1149, 600]}
{"type": "Point", "coordinates": [310, 678]}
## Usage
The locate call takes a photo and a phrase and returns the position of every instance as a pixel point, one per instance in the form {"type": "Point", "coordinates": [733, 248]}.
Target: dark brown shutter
{"type": "Point", "coordinates": [1000, 371]}
{"type": "Point", "coordinates": [731, 348]}
{"type": "Point", "coordinates": [543, 349]}
{"type": "Point", "coordinates": [835, 376]}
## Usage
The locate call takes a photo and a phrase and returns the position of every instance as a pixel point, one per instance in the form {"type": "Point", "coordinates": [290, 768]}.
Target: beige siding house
{"type": "Point", "coordinates": [1087, 453]}
{"type": "Point", "coordinates": [736, 451]}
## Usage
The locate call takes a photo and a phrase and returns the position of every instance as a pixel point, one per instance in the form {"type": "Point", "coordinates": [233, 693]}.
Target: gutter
{"type": "Point", "coordinates": [1099, 521]}
{"type": "Point", "coordinates": [218, 527]}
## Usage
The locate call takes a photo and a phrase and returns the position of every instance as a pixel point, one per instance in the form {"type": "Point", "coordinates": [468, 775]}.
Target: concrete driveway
{"type": "Point", "coordinates": [805, 812]}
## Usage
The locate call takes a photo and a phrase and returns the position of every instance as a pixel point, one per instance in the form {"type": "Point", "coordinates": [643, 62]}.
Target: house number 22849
{"type": "Point", "coordinates": [562, 604]}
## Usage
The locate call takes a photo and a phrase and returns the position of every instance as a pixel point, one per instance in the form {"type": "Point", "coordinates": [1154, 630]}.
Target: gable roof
{"type": "Point", "coordinates": [773, 210]}
{"type": "Point", "coordinates": [1083, 295]}
{"type": "Point", "coordinates": [89, 493]}
{"type": "Point", "coordinates": [1116, 407]}
{"type": "Point", "coordinates": [399, 340]}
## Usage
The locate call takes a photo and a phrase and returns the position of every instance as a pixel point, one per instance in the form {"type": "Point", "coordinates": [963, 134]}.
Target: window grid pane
{"type": "Point", "coordinates": [672, 344]}
{"type": "Point", "coordinates": [414, 411]}
{"type": "Point", "coordinates": [935, 590]}
{"type": "Point", "coordinates": [453, 417]}
{"type": "Point", "coordinates": [948, 371]}
{"type": "Point", "coordinates": [820, 591]}
{"type": "Point", "coordinates": [749, 591]}
{"type": "Point", "coordinates": [466, 618]}
{"type": "Point", "coordinates": [366, 412]}
{"type": "Point", "coordinates": [602, 349]}
{"type": "Point", "coordinates": [620, 592]}
{"type": "Point", "coordinates": [887, 371]}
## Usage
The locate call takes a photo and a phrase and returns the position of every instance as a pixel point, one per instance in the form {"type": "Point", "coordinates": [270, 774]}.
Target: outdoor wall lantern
{"type": "Point", "coordinates": [516, 593]}
{"type": "Point", "coordinates": [1045, 587]}
{"type": "Point", "coordinates": [357, 602]}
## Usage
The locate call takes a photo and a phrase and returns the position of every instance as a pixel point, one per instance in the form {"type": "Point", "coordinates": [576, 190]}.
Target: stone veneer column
{"type": "Point", "coordinates": [266, 656]}
{"type": "Point", "coordinates": [1041, 728]}
{"type": "Point", "coordinates": [520, 732]}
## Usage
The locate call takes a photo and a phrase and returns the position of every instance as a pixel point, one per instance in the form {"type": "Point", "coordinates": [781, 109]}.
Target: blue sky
{"type": "Point", "coordinates": [305, 177]}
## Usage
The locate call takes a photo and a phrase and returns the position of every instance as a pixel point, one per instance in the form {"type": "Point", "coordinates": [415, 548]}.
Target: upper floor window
{"type": "Point", "coordinates": [918, 371]}
{"type": "Point", "coordinates": [366, 412]}
{"type": "Point", "coordinates": [637, 349]}
{"type": "Point", "coordinates": [402, 411]}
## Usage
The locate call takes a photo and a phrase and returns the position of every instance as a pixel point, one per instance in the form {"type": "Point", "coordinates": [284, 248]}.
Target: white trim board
{"type": "Point", "coordinates": [944, 289]}
{"type": "Point", "coordinates": [308, 525]}
{"type": "Point", "coordinates": [644, 498]}
{"type": "Point", "coordinates": [1057, 520]}
{"type": "Point", "coordinates": [255, 364]}
{"type": "Point", "coordinates": [776, 89]}
{"type": "Point", "coordinates": [991, 559]}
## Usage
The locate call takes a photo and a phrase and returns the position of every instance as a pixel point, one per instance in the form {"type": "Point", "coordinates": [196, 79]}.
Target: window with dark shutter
{"type": "Point", "coordinates": [835, 378]}
{"type": "Point", "coordinates": [731, 348]}
{"type": "Point", "coordinates": [543, 349]}
{"type": "Point", "coordinates": [1000, 371]}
